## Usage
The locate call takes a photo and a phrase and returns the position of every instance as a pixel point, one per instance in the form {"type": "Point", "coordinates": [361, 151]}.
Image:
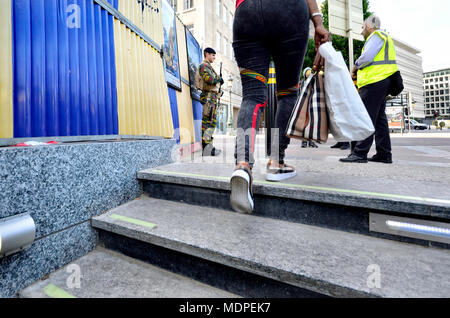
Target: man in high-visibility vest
{"type": "Point", "coordinates": [373, 71]}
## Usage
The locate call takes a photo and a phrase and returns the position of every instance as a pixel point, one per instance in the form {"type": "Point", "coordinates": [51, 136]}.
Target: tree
{"type": "Point", "coordinates": [340, 43]}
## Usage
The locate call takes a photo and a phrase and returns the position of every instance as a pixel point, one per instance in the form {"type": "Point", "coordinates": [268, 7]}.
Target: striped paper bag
{"type": "Point", "coordinates": [309, 119]}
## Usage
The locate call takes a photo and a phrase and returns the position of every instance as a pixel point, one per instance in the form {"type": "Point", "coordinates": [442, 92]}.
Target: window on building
{"type": "Point", "coordinates": [446, 91]}
{"type": "Point", "coordinates": [173, 3]}
{"type": "Point", "coordinates": [230, 17]}
{"type": "Point", "coordinates": [426, 81]}
{"type": "Point", "coordinates": [225, 14]}
{"type": "Point", "coordinates": [218, 6]}
{"type": "Point", "coordinates": [218, 42]}
{"type": "Point", "coordinates": [190, 27]}
{"type": "Point", "coordinates": [188, 4]}
{"type": "Point", "coordinates": [225, 46]}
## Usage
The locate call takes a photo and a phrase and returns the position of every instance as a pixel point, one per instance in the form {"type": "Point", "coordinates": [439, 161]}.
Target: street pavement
{"type": "Point", "coordinates": [421, 165]}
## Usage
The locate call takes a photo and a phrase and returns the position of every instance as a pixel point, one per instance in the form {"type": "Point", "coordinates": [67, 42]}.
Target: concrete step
{"type": "Point", "coordinates": [323, 261]}
{"type": "Point", "coordinates": [107, 274]}
{"type": "Point", "coordinates": [343, 203]}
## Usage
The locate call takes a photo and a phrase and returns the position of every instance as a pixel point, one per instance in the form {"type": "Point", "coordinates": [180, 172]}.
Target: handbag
{"type": "Point", "coordinates": [309, 119]}
{"type": "Point", "coordinates": [396, 86]}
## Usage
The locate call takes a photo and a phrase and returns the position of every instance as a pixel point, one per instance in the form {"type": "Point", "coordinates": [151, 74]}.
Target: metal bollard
{"type": "Point", "coordinates": [271, 108]}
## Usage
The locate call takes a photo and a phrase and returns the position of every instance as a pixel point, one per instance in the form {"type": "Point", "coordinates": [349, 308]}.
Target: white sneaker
{"type": "Point", "coordinates": [241, 189]}
{"type": "Point", "coordinates": [277, 174]}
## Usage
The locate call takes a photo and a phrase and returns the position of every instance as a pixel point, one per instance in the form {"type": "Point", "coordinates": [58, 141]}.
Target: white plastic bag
{"type": "Point", "coordinates": [349, 120]}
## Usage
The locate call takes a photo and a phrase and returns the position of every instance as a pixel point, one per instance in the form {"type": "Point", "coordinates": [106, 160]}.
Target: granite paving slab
{"type": "Point", "coordinates": [325, 261]}
{"type": "Point", "coordinates": [66, 184]}
{"type": "Point", "coordinates": [46, 255]}
{"type": "Point", "coordinates": [426, 199]}
{"type": "Point", "coordinates": [107, 274]}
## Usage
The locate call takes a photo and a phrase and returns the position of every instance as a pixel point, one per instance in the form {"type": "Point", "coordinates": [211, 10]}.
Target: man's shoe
{"type": "Point", "coordinates": [276, 173]}
{"type": "Point", "coordinates": [241, 183]}
{"type": "Point", "coordinates": [312, 144]}
{"type": "Point", "coordinates": [210, 151]}
{"type": "Point", "coordinates": [338, 145]}
{"type": "Point", "coordinates": [381, 159]}
{"type": "Point", "coordinates": [353, 159]}
{"type": "Point", "coordinates": [345, 146]}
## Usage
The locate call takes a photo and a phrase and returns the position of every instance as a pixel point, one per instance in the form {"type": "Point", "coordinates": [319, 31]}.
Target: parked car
{"type": "Point", "coordinates": [415, 125]}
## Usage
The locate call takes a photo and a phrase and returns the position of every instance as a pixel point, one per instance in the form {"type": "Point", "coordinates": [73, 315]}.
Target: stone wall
{"type": "Point", "coordinates": [63, 186]}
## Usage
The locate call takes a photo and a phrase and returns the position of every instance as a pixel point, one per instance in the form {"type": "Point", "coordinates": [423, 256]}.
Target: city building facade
{"type": "Point", "coordinates": [211, 23]}
{"type": "Point", "coordinates": [436, 93]}
{"type": "Point", "coordinates": [410, 65]}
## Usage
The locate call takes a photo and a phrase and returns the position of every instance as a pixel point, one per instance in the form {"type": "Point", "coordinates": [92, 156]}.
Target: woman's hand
{"type": "Point", "coordinates": [321, 36]}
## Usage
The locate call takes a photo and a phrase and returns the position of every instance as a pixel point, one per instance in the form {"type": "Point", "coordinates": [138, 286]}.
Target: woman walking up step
{"type": "Point", "coordinates": [263, 29]}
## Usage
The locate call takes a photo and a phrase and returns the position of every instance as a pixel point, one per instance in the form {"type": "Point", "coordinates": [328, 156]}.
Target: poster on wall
{"type": "Point", "coordinates": [170, 46]}
{"type": "Point", "coordinates": [194, 53]}
{"type": "Point", "coordinates": [395, 117]}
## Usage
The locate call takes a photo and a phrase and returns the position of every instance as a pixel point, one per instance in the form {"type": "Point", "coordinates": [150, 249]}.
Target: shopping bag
{"type": "Point", "coordinates": [309, 120]}
{"type": "Point", "coordinates": [348, 117]}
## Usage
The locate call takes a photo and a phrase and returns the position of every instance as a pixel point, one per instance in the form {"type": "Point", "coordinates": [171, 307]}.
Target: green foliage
{"type": "Point", "coordinates": [442, 124]}
{"type": "Point", "coordinates": [339, 43]}
{"type": "Point", "coordinates": [435, 123]}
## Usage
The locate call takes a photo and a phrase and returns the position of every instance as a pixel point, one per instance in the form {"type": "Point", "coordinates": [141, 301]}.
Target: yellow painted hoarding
{"type": "Point", "coordinates": [143, 100]}
{"type": "Point", "coordinates": [6, 78]}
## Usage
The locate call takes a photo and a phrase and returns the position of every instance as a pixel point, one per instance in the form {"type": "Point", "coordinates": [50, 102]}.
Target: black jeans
{"type": "Point", "coordinates": [374, 98]}
{"type": "Point", "coordinates": [265, 29]}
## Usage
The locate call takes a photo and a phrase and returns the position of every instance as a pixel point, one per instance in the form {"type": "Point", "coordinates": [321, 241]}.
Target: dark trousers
{"type": "Point", "coordinates": [374, 98]}
{"type": "Point", "coordinates": [263, 29]}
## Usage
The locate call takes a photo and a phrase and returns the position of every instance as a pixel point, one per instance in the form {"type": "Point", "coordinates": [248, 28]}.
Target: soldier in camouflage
{"type": "Point", "coordinates": [209, 82]}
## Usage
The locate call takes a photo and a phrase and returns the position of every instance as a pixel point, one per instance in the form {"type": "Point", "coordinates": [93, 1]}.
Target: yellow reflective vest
{"type": "Point", "coordinates": [384, 64]}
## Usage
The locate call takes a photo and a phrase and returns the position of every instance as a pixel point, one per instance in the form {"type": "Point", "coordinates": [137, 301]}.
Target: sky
{"type": "Point", "coordinates": [425, 25]}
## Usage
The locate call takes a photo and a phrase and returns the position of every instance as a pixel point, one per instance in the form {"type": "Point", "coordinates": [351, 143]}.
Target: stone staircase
{"type": "Point", "coordinates": [181, 239]}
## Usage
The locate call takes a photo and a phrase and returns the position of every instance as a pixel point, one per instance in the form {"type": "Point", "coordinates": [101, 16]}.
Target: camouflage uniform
{"type": "Point", "coordinates": [209, 98]}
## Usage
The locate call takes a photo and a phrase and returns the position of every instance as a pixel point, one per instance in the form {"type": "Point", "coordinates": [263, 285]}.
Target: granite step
{"type": "Point", "coordinates": [310, 199]}
{"type": "Point", "coordinates": [315, 259]}
{"type": "Point", "coordinates": [108, 274]}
